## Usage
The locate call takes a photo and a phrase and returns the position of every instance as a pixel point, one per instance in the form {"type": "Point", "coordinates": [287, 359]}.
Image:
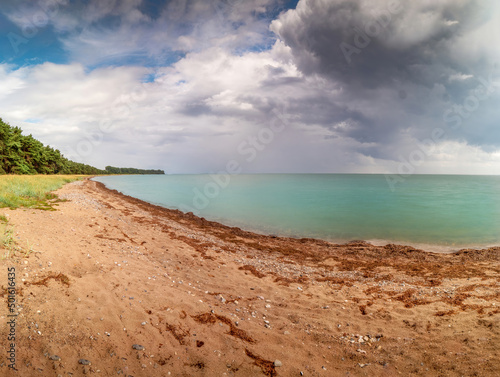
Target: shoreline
{"type": "Point", "coordinates": [141, 290]}
{"type": "Point", "coordinates": [427, 247]}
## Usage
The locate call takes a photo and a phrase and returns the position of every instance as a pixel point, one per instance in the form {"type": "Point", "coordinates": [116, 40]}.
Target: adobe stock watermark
{"type": "Point", "coordinates": [370, 30]}
{"type": "Point", "coordinates": [93, 139]}
{"type": "Point", "coordinates": [408, 166]}
{"type": "Point", "coordinates": [34, 23]}
{"type": "Point", "coordinates": [247, 151]}
{"type": "Point", "coordinates": [454, 118]}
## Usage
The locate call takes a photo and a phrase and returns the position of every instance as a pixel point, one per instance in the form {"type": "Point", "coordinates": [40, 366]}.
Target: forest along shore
{"type": "Point", "coordinates": [113, 285]}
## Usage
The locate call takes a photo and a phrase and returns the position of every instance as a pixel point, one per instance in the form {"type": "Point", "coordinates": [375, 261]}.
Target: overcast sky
{"type": "Point", "coordinates": [201, 86]}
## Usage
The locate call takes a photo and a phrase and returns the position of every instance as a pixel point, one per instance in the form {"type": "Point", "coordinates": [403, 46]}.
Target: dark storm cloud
{"type": "Point", "coordinates": [405, 68]}
{"type": "Point", "coordinates": [371, 43]}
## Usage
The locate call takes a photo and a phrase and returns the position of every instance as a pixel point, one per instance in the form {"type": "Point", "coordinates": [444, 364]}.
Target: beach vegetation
{"type": "Point", "coordinates": [6, 234]}
{"type": "Point", "coordinates": [24, 155]}
{"type": "Point", "coordinates": [21, 154]}
{"type": "Point", "coordinates": [8, 244]}
{"type": "Point", "coordinates": [114, 170]}
{"type": "Point", "coordinates": [32, 191]}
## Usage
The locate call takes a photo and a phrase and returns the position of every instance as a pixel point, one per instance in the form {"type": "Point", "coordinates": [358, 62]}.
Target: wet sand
{"type": "Point", "coordinates": [196, 298]}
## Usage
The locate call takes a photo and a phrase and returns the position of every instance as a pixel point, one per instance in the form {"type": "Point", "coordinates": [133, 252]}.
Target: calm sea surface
{"type": "Point", "coordinates": [444, 211]}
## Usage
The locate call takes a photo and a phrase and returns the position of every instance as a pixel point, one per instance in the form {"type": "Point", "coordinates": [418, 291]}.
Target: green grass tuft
{"type": "Point", "coordinates": [8, 243]}
{"type": "Point", "coordinates": [32, 191]}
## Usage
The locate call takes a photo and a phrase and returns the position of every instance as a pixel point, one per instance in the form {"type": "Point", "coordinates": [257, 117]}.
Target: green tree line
{"type": "Point", "coordinates": [20, 154]}
{"type": "Point", "coordinates": [113, 170]}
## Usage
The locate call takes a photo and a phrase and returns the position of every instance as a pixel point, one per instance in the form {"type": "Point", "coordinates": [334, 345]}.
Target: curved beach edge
{"type": "Point", "coordinates": [197, 220]}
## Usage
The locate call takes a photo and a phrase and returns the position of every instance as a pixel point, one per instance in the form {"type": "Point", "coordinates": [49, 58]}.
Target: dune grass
{"type": "Point", "coordinates": [8, 244]}
{"type": "Point", "coordinates": [32, 191]}
{"type": "Point", "coordinates": [6, 237]}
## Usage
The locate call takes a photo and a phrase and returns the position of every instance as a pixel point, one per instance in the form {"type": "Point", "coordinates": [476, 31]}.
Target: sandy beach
{"type": "Point", "coordinates": [116, 286]}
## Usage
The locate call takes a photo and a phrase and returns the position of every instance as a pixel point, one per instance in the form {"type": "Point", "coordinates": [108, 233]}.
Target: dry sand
{"type": "Point", "coordinates": [109, 272]}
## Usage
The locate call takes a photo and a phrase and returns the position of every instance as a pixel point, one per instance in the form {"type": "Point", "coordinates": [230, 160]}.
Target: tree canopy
{"type": "Point", "coordinates": [113, 170]}
{"type": "Point", "coordinates": [20, 154]}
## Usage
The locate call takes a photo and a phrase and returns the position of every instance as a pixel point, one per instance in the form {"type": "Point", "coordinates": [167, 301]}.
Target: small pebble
{"type": "Point", "coordinates": [278, 363]}
{"type": "Point", "coordinates": [83, 362]}
{"type": "Point", "coordinates": [138, 347]}
{"type": "Point", "coordinates": [54, 358]}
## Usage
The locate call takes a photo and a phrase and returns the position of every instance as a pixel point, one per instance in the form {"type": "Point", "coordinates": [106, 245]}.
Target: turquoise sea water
{"type": "Point", "coordinates": [445, 211]}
